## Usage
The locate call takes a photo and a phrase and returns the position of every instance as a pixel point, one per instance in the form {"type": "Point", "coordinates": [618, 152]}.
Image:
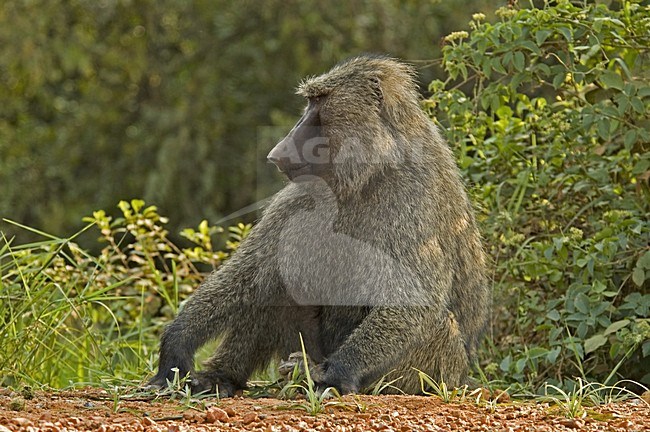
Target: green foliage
{"type": "Point", "coordinates": [572, 402]}
{"type": "Point", "coordinates": [550, 111]}
{"type": "Point", "coordinates": [430, 387]}
{"type": "Point", "coordinates": [70, 317]}
{"type": "Point", "coordinates": [316, 400]}
{"type": "Point", "coordinates": [167, 100]}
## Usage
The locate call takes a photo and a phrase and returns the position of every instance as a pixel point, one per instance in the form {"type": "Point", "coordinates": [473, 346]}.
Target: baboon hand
{"type": "Point", "coordinates": [165, 379]}
{"type": "Point", "coordinates": [198, 382]}
{"type": "Point", "coordinates": [216, 383]}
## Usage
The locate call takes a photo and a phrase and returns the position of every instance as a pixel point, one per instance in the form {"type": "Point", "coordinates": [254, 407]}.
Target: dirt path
{"type": "Point", "coordinates": [96, 410]}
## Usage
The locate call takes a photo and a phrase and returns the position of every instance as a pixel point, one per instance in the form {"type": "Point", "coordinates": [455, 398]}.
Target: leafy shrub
{"type": "Point", "coordinates": [550, 110]}
{"type": "Point", "coordinates": [69, 317]}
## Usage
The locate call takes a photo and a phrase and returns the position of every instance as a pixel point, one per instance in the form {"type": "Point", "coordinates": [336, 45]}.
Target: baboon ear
{"type": "Point", "coordinates": [375, 83]}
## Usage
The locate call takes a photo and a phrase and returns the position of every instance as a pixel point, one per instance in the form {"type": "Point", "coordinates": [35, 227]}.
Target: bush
{"type": "Point", "coordinates": [69, 317]}
{"type": "Point", "coordinates": [549, 111]}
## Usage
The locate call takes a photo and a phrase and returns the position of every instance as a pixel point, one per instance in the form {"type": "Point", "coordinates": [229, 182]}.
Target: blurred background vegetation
{"type": "Point", "coordinates": [547, 109]}
{"type": "Point", "coordinates": [171, 101]}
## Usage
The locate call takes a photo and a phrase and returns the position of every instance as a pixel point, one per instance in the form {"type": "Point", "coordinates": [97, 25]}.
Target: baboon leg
{"type": "Point", "coordinates": [348, 369]}
{"type": "Point", "coordinates": [441, 355]}
{"type": "Point", "coordinates": [208, 313]}
{"type": "Point", "coordinates": [435, 348]}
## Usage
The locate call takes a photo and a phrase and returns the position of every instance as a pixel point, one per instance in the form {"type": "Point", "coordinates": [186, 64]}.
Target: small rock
{"type": "Point", "coordinates": [4, 429]}
{"type": "Point", "coordinates": [502, 396]}
{"type": "Point", "coordinates": [148, 421]}
{"type": "Point", "coordinates": [230, 411]}
{"type": "Point", "coordinates": [485, 393]}
{"type": "Point", "coordinates": [572, 423]}
{"type": "Point", "coordinates": [215, 414]}
{"type": "Point", "coordinates": [249, 418]}
{"type": "Point", "coordinates": [22, 422]}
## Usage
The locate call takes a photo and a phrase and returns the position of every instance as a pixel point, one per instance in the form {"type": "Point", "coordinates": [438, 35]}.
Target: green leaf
{"type": "Point", "coordinates": [531, 46]}
{"type": "Point", "coordinates": [520, 365]}
{"type": "Point", "coordinates": [553, 314]}
{"type": "Point", "coordinates": [638, 105]}
{"type": "Point", "coordinates": [566, 32]}
{"type": "Point", "coordinates": [603, 129]}
{"type": "Point", "coordinates": [505, 363]}
{"type": "Point", "coordinates": [504, 112]}
{"type": "Point", "coordinates": [594, 342]}
{"type": "Point", "coordinates": [548, 252]}
{"type": "Point", "coordinates": [497, 66]}
{"type": "Point", "coordinates": [558, 80]}
{"type": "Point", "coordinates": [553, 354]}
{"type": "Point", "coordinates": [519, 61]}
{"type": "Point", "coordinates": [543, 69]}
{"type": "Point", "coordinates": [582, 303]}
{"type": "Point", "coordinates": [612, 80]}
{"type": "Point", "coordinates": [537, 352]}
{"type": "Point", "coordinates": [638, 276]}
{"type": "Point", "coordinates": [640, 168]}
{"type": "Point", "coordinates": [542, 35]}
{"type": "Point", "coordinates": [486, 66]}
{"type": "Point", "coordinates": [616, 326]}
{"type": "Point", "coordinates": [630, 138]}
{"type": "Point", "coordinates": [644, 261]}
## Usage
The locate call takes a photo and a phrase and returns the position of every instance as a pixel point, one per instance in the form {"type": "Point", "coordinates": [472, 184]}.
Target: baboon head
{"type": "Point", "coordinates": [361, 117]}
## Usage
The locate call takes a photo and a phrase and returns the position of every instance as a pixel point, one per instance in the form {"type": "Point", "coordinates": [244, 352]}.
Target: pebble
{"type": "Point", "coordinates": [216, 414]}
{"type": "Point", "coordinates": [249, 418]}
{"type": "Point", "coordinates": [230, 411]}
{"type": "Point", "coordinates": [572, 423]}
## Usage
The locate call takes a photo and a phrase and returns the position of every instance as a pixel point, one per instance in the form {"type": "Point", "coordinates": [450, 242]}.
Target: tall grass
{"type": "Point", "coordinates": [69, 318]}
{"type": "Point", "coordinates": [58, 325]}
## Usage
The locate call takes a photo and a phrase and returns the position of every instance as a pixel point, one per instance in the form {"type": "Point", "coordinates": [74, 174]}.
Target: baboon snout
{"type": "Point", "coordinates": [304, 150]}
{"type": "Point", "coordinates": [286, 157]}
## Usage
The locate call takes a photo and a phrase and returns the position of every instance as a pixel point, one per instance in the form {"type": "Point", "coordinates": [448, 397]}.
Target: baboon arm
{"type": "Point", "coordinates": [207, 314]}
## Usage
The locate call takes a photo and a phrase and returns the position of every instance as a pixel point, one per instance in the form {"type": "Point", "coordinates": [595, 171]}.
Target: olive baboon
{"type": "Point", "coordinates": [370, 251]}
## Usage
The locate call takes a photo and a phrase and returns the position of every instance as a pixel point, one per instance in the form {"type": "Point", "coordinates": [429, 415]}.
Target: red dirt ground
{"type": "Point", "coordinates": [95, 410]}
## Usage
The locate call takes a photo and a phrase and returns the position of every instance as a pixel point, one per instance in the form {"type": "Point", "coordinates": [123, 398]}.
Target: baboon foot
{"type": "Point", "coordinates": [296, 363]}
{"type": "Point", "coordinates": [335, 375]}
